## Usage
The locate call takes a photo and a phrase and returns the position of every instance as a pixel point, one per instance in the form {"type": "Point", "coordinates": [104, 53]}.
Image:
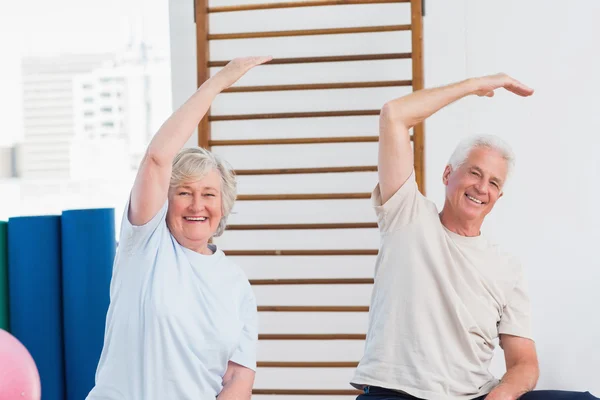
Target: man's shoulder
{"type": "Point", "coordinates": [502, 255]}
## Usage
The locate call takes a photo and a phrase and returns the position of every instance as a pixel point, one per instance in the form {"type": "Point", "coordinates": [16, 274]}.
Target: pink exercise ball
{"type": "Point", "coordinates": [19, 377]}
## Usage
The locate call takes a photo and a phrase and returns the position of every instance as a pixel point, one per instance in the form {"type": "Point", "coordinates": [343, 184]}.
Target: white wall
{"type": "Point", "coordinates": [183, 52]}
{"type": "Point", "coordinates": [547, 217]}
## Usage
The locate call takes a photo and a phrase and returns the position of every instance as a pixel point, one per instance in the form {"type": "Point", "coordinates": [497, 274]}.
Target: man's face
{"type": "Point", "coordinates": [473, 189]}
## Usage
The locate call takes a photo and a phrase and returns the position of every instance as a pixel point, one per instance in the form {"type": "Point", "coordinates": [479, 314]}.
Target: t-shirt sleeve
{"type": "Point", "coordinates": [138, 237]}
{"type": "Point", "coordinates": [516, 317]}
{"type": "Point", "coordinates": [245, 353]}
{"type": "Point", "coordinates": [401, 209]}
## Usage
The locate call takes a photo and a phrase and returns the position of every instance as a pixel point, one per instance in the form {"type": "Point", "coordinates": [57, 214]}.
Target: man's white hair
{"type": "Point", "coordinates": [464, 148]}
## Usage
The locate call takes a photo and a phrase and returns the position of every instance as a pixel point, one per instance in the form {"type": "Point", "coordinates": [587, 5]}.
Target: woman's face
{"type": "Point", "coordinates": [195, 210]}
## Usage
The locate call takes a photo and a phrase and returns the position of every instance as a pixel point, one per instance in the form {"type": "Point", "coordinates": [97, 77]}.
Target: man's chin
{"type": "Point", "coordinates": [471, 214]}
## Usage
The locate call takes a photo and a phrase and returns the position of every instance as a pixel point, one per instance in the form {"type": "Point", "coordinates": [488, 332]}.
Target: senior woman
{"type": "Point", "coordinates": [182, 317]}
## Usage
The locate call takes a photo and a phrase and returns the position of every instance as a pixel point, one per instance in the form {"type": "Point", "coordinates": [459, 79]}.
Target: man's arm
{"type": "Point", "coordinates": [400, 115]}
{"type": "Point", "coordinates": [237, 383]}
{"type": "Point", "coordinates": [522, 370]}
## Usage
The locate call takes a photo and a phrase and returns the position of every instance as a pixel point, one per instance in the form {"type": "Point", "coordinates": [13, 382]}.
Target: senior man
{"type": "Point", "coordinates": [444, 293]}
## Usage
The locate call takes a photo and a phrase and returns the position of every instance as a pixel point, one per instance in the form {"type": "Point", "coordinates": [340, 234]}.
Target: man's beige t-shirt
{"type": "Point", "coordinates": [439, 302]}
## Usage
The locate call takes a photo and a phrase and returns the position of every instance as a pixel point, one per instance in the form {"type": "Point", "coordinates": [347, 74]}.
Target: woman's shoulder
{"type": "Point", "coordinates": [135, 237]}
{"type": "Point", "coordinates": [236, 274]}
{"type": "Point", "coordinates": [233, 267]}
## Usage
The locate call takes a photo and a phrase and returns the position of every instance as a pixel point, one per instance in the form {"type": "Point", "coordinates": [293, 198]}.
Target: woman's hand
{"type": "Point", "coordinates": [237, 68]}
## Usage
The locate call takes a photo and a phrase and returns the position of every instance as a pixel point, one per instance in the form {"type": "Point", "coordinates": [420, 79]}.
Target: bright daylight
{"type": "Point", "coordinates": [299, 200]}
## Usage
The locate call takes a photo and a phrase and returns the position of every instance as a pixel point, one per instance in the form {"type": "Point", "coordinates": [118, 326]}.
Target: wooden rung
{"type": "Point", "coordinates": [307, 364]}
{"type": "Point", "coordinates": [307, 392]}
{"type": "Point", "coordinates": [323, 170]}
{"type": "Point", "coordinates": [296, 4]}
{"type": "Point", "coordinates": [309, 32]}
{"type": "Point", "coordinates": [313, 281]}
{"type": "Point", "coordinates": [313, 308]}
{"type": "Point", "coordinates": [312, 140]}
{"type": "Point", "coordinates": [318, 86]}
{"type": "Point", "coordinates": [303, 196]}
{"type": "Point", "coordinates": [326, 59]}
{"type": "Point", "coordinates": [344, 252]}
{"type": "Point", "coordinates": [311, 114]}
{"type": "Point", "coordinates": [340, 225]}
{"type": "Point", "coordinates": [312, 336]}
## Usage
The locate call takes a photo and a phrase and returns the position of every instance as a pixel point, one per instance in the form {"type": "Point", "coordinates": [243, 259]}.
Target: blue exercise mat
{"type": "Point", "coordinates": [34, 281]}
{"type": "Point", "coordinates": [88, 250]}
{"type": "Point", "coordinates": [3, 276]}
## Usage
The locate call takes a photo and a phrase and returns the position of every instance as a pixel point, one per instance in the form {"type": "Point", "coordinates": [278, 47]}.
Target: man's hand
{"type": "Point", "coordinates": [522, 369]}
{"type": "Point", "coordinates": [237, 68]}
{"type": "Point", "coordinates": [485, 86]}
{"type": "Point", "coordinates": [501, 392]}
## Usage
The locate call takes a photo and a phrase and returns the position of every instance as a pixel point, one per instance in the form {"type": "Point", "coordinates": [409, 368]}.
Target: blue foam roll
{"type": "Point", "coordinates": [34, 286]}
{"type": "Point", "coordinates": [88, 251]}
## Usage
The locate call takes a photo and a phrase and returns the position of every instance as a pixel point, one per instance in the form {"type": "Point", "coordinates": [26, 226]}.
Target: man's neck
{"type": "Point", "coordinates": [458, 225]}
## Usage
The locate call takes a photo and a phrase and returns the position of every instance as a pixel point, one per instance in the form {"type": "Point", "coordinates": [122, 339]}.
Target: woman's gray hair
{"type": "Point", "coordinates": [464, 148]}
{"type": "Point", "coordinates": [192, 164]}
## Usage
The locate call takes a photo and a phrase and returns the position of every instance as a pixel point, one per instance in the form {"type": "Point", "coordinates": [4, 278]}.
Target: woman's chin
{"type": "Point", "coordinates": [192, 239]}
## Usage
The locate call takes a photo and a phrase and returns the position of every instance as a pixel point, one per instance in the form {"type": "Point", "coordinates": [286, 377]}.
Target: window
{"type": "Point", "coordinates": [69, 79]}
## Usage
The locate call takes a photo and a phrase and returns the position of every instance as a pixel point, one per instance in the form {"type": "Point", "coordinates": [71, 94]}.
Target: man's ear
{"type": "Point", "coordinates": [446, 175]}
